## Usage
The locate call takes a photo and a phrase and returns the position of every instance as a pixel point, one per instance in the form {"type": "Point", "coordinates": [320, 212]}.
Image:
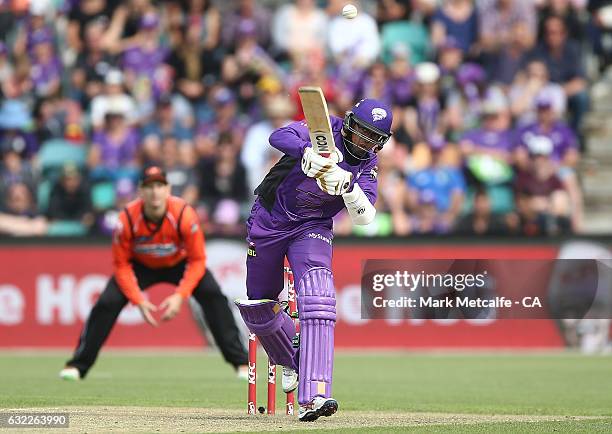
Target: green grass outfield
{"type": "Point", "coordinates": [393, 384]}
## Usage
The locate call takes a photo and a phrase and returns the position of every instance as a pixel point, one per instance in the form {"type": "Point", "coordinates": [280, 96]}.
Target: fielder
{"type": "Point", "coordinates": [158, 239]}
{"type": "Point", "coordinates": [292, 217]}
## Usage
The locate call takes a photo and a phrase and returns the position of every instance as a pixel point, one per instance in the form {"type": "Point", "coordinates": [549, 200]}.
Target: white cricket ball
{"type": "Point", "coordinates": [349, 11]}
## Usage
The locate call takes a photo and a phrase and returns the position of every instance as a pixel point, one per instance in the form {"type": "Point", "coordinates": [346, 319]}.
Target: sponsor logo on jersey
{"type": "Point", "coordinates": [251, 249]}
{"type": "Point", "coordinates": [320, 237]}
{"type": "Point", "coordinates": [157, 250]}
{"type": "Point", "coordinates": [374, 172]}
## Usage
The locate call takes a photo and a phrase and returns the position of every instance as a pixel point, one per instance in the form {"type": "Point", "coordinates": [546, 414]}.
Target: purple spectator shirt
{"type": "Point", "coordinates": [43, 74]}
{"type": "Point", "coordinates": [140, 61]}
{"type": "Point", "coordinates": [561, 135]}
{"type": "Point", "coordinates": [115, 155]}
{"type": "Point", "coordinates": [490, 139]}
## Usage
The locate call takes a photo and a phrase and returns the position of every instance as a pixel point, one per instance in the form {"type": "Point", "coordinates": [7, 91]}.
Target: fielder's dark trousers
{"type": "Point", "coordinates": [207, 293]}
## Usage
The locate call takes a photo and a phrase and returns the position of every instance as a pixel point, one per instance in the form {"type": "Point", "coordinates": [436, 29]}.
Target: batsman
{"type": "Point", "coordinates": [292, 217]}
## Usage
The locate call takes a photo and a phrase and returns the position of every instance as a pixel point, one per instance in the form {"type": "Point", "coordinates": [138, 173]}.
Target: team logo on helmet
{"type": "Point", "coordinates": [378, 114]}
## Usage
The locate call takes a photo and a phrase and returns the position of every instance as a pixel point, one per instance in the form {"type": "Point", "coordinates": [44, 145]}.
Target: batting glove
{"type": "Point", "coordinates": [315, 165]}
{"type": "Point", "coordinates": [335, 181]}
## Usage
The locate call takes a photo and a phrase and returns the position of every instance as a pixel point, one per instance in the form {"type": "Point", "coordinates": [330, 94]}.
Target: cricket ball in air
{"type": "Point", "coordinates": [349, 11]}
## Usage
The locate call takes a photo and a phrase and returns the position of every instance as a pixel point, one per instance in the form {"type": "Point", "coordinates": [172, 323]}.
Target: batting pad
{"type": "Point", "coordinates": [274, 328]}
{"type": "Point", "coordinates": [317, 312]}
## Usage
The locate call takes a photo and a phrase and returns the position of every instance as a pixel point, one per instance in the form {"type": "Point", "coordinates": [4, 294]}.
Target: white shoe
{"type": "Point", "coordinates": [318, 407]}
{"type": "Point", "coordinates": [290, 380]}
{"type": "Point", "coordinates": [70, 373]}
{"type": "Point", "coordinates": [242, 372]}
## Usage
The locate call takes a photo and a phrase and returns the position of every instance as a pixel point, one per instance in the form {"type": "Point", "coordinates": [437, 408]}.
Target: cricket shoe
{"type": "Point", "coordinates": [316, 408]}
{"type": "Point", "coordinates": [242, 372]}
{"type": "Point", "coordinates": [70, 373]}
{"type": "Point", "coordinates": [290, 380]}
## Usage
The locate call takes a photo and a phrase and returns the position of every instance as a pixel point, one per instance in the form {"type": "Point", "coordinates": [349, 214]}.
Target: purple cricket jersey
{"type": "Point", "coordinates": [561, 136]}
{"type": "Point", "coordinates": [115, 155]}
{"type": "Point", "coordinates": [298, 198]}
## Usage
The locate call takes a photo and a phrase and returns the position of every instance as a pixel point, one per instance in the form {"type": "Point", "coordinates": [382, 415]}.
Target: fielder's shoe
{"type": "Point", "coordinates": [316, 408]}
{"type": "Point", "coordinates": [290, 380]}
{"type": "Point", "coordinates": [242, 372]}
{"type": "Point", "coordinates": [70, 373]}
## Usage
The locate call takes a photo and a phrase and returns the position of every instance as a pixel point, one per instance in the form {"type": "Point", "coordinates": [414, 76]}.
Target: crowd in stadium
{"type": "Point", "coordinates": [488, 101]}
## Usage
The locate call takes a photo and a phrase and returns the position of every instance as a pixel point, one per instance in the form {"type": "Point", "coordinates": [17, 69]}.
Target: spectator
{"type": "Point", "coordinates": [401, 77]}
{"type": "Point", "coordinates": [355, 42]}
{"type": "Point", "coordinates": [526, 87]}
{"type": "Point", "coordinates": [15, 169]}
{"type": "Point", "coordinates": [18, 201]}
{"type": "Point", "coordinates": [114, 149]}
{"type": "Point", "coordinates": [35, 27]}
{"type": "Point", "coordinates": [600, 29]}
{"type": "Point", "coordinates": [46, 68]}
{"type": "Point", "coordinates": [436, 192]}
{"type": "Point", "coordinates": [542, 202]}
{"type": "Point", "coordinates": [166, 123]}
{"type": "Point", "coordinates": [257, 156]}
{"type": "Point", "coordinates": [511, 57]}
{"type": "Point", "coordinates": [246, 13]}
{"type": "Point", "coordinates": [224, 177]}
{"type": "Point", "coordinates": [497, 22]}
{"type": "Point", "coordinates": [93, 64]}
{"type": "Point", "coordinates": [299, 29]}
{"type": "Point", "coordinates": [181, 177]}
{"type": "Point", "coordinates": [226, 120]}
{"type": "Point", "coordinates": [6, 67]}
{"type": "Point", "coordinates": [196, 55]}
{"type": "Point", "coordinates": [563, 58]}
{"type": "Point", "coordinates": [81, 14]}
{"type": "Point", "coordinates": [457, 19]}
{"type": "Point", "coordinates": [570, 11]}
{"type": "Point", "coordinates": [426, 116]}
{"type": "Point", "coordinates": [561, 143]}
{"type": "Point", "coordinates": [126, 23]}
{"type": "Point", "coordinates": [70, 198]}
{"type": "Point", "coordinates": [467, 90]}
{"type": "Point", "coordinates": [115, 97]}
{"type": "Point", "coordinates": [125, 191]}
{"type": "Point", "coordinates": [487, 150]}
{"type": "Point", "coordinates": [483, 221]}
{"type": "Point", "coordinates": [19, 216]}
{"type": "Point", "coordinates": [143, 60]}
{"type": "Point", "coordinates": [15, 121]}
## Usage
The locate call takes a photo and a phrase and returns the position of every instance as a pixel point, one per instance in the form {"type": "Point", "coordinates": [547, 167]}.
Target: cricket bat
{"type": "Point", "coordinates": [317, 119]}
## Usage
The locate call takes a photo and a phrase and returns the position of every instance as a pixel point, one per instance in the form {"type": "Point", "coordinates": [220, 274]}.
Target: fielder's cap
{"type": "Point", "coordinates": [153, 174]}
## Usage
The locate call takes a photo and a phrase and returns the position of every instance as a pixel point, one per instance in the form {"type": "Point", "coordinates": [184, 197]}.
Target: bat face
{"type": "Point", "coordinates": [317, 119]}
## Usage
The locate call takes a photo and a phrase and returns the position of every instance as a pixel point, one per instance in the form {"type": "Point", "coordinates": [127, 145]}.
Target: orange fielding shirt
{"type": "Point", "coordinates": [158, 246]}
